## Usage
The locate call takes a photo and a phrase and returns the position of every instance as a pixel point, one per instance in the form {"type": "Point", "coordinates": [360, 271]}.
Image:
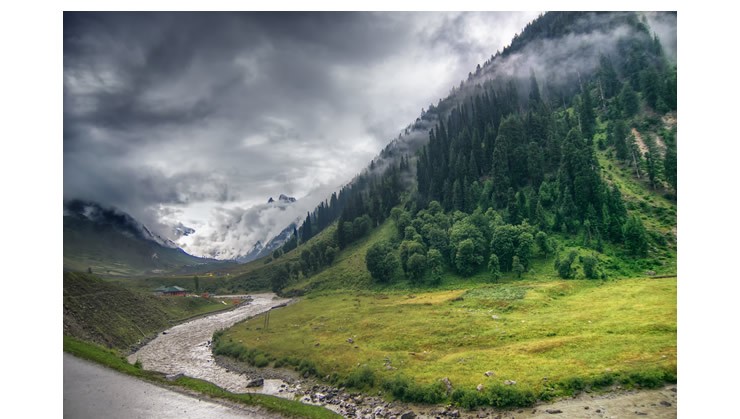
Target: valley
{"type": "Point", "coordinates": [512, 253]}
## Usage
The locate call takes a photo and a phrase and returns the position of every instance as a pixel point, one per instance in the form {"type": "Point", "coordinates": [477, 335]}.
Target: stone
{"type": "Point", "coordinates": [495, 317]}
{"type": "Point", "coordinates": [479, 387]}
{"type": "Point", "coordinates": [257, 382]}
{"type": "Point", "coordinates": [350, 340]}
{"type": "Point", "coordinates": [454, 414]}
{"type": "Point", "coordinates": [665, 403]}
{"type": "Point", "coordinates": [488, 373]}
{"type": "Point", "coordinates": [173, 377]}
{"type": "Point", "coordinates": [448, 385]}
{"type": "Point", "coordinates": [509, 382]}
{"type": "Point", "coordinates": [553, 411]}
{"type": "Point", "coordinates": [408, 415]}
{"type": "Point", "coordinates": [640, 413]}
{"type": "Point", "coordinates": [586, 407]}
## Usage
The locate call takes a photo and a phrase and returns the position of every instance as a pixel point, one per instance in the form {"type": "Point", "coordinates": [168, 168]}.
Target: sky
{"type": "Point", "coordinates": [196, 119]}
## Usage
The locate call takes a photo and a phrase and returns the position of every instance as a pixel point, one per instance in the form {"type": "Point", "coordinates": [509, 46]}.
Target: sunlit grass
{"type": "Point", "coordinates": [532, 332]}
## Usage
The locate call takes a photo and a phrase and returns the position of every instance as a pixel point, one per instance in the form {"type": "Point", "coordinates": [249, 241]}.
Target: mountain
{"type": "Point", "coordinates": [282, 199]}
{"type": "Point", "coordinates": [111, 242]}
{"type": "Point", "coordinates": [558, 153]}
{"type": "Point", "coordinates": [259, 250]}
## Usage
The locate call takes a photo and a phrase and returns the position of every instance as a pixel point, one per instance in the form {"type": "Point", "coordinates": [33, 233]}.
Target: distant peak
{"type": "Point", "coordinates": [270, 201]}
{"type": "Point", "coordinates": [284, 198]}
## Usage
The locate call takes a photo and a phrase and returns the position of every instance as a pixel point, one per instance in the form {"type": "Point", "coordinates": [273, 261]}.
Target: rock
{"type": "Point", "coordinates": [495, 317]}
{"type": "Point", "coordinates": [640, 413]}
{"type": "Point", "coordinates": [665, 403]}
{"type": "Point", "coordinates": [173, 377]}
{"type": "Point", "coordinates": [586, 407]}
{"type": "Point", "coordinates": [379, 411]}
{"type": "Point", "coordinates": [454, 414]}
{"type": "Point", "coordinates": [488, 373]}
{"type": "Point", "coordinates": [257, 382]}
{"type": "Point", "coordinates": [479, 387]}
{"type": "Point", "coordinates": [598, 410]}
{"type": "Point", "coordinates": [408, 415]}
{"type": "Point", "coordinates": [448, 385]}
{"type": "Point", "coordinates": [350, 340]}
{"type": "Point", "coordinates": [553, 411]}
{"type": "Point", "coordinates": [316, 344]}
{"type": "Point", "coordinates": [510, 382]}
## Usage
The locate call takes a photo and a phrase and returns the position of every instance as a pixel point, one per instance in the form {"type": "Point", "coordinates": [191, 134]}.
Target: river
{"type": "Point", "coordinates": [185, 348]}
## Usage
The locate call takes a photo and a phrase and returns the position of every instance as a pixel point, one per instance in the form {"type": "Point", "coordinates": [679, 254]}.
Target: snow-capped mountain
{"type": "Point", "coordinates": [119, 220]}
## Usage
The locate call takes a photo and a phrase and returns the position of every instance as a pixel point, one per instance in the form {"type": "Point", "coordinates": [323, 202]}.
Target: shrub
{"type": "Point", "coordinates": [647, 379]}
{"type": "Point", "coordinates": [507, 397]}
{"type": "Point", "coordinates": [469, 399]}
{"type": "Point", "coordinates": [405, 390]}
{"type": "Point", "coordinates": [361, 378]}
{"type": "Point", "coordinates": [260, 360]}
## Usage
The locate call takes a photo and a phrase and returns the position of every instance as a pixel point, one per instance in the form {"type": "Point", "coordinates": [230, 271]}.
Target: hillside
{"type": "Point", "coordinates": [561, 165]}
{"type": "Point", "coordinates": [115, 316]}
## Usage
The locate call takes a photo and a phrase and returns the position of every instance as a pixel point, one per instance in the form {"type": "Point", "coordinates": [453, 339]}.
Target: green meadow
{"type": "Point", "coordinates": [550, 337]}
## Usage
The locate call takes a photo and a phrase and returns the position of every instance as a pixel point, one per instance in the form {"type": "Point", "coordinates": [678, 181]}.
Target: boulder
{"type": "Point", "coordinates": [509, 382]}
{"type": "Point", "coordinates": [173, 377]}
{"type": "Point", "coordinates": [350, 340]}
{"type": "Point", "coordinates": [448, 385]}
{"type": "Point", "coordinates": [479, 387]}
{"type": "Point", "coordinates": [257, 382]}
{"type": "Point", "coordinates": [488, 373]}
{"type": "Point", "coordinates": [553, 411]}
{"type": "Point", "coordinates": [408, 415]}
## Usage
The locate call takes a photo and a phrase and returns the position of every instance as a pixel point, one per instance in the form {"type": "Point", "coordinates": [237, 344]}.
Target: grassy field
{"type": "Point", "coordinates": [112, 359]}
{"type": "Point", "coordinates": [536, 333]}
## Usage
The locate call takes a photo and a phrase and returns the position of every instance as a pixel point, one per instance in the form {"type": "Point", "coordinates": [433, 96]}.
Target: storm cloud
{"type": "Point", "coordinates": [186, 120]}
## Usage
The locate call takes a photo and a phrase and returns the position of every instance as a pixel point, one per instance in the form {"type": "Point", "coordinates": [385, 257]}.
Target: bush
{"type": "Point", "coordinates": [306, 367]}
{"type": "Point", "coordinates": [507, 397]}
{"type": "Point", "coordinates": [469, 399]}
{"type": "Point", "coordinates": [260, 360]}
{"type": "Point", "coordinates": [405, 390]}
{"type": "Point", "coordinates": [647, 379]}
{"type": "Point", "coordinates": [360, 378]}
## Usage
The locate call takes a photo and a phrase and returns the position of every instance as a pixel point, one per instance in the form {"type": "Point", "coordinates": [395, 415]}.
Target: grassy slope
{"type": "Point", "coordinates": [555, 329]}
{"type": "Point", "coordinates": [119, 317]}
{"type": "Point", "coordinates": [658, 213]}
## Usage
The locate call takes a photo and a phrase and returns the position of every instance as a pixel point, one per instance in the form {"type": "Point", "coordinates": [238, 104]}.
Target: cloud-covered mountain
{"type": "Point", "coordinates": [109, 241]}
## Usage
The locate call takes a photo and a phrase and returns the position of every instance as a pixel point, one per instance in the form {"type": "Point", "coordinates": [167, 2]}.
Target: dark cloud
{"type": "Point", "coordinates": [193, 110]}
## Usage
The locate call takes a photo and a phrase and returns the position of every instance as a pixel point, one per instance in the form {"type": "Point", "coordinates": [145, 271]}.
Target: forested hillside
{"type": "Point", "coordinates": [560, 148]}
